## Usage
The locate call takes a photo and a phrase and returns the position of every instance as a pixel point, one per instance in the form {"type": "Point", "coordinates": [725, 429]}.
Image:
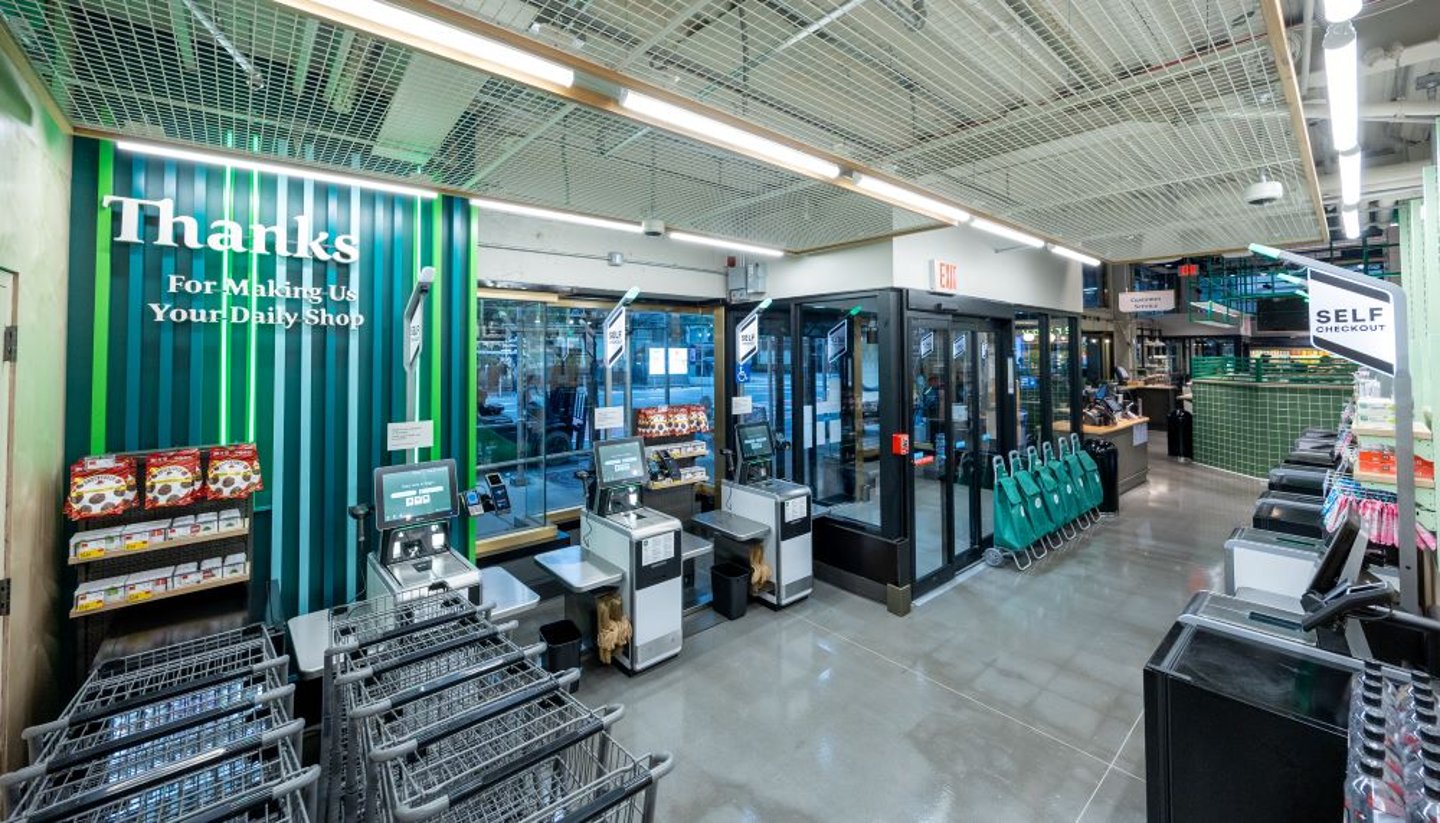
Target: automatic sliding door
{"type": "Point", "coordinates": [931, 391]}
{"type": "Point", "coordinates": [962, 425]}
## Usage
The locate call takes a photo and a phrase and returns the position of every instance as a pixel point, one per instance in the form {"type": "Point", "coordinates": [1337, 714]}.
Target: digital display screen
{"type": "Point", "coordinates": [422, 492]}
{"type": "Point", "coordinates": [619, 462]}
{"type": "Point", "coordinates": [754, 441]}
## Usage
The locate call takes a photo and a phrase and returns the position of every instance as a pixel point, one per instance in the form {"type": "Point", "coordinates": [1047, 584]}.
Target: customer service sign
{"type": "Point", "coordinates": [1353, 320]}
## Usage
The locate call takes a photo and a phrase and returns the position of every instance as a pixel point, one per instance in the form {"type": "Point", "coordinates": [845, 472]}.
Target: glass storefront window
{"type": "Point", "coordinates": [1028, 352]}
{"type": "Point", "coordinates": [540, 375]}
{"type": "Point", "coordinates": [840, 445]}
{"type": "Point", "coordinates": [768, 383]}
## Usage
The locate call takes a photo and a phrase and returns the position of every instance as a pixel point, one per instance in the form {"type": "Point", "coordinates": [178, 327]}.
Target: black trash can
{"type": "Point", "coordinates": [730, 583]}
{"type": "Point", "coordinates": [1180, 433]}
{"type": "Point", "coordinates": [562, 648]}
{"type": "Point", "coordinates": [1107, 458]}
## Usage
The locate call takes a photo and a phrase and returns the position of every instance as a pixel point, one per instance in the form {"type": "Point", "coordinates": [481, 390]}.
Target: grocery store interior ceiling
{"type": "Point", "coordinates": [1126, 128]}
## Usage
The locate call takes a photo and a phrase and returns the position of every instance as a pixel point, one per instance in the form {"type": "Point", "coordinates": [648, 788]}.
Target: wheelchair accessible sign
{"type": "Point", "coordinates": [1353, 320]}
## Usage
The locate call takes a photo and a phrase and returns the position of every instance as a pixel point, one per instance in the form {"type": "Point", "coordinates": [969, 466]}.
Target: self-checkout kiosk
{"type": "Point", "coordinates": [783, 506]}
{"type": "Point", "coordinates": [644, 544]}
{"type": "Point", "coordinates": [416, 506]}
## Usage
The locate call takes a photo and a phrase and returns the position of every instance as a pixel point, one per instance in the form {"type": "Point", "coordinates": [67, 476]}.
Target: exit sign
{"type": "Point", "coordinates": [944, 276]}
{"type": "Point", "coordinates": [1189, 269]}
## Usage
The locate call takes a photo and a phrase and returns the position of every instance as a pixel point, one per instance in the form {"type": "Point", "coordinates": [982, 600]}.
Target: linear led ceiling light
{"type": "Point", "coordinates": [702, 240]}
{"type": "Point", "coordinates": [550, 214]}
{"type": "Point", "coordinates": [1350, 221]}
{"type": "Point", "coordinates": [271, 168]}
{"type": "Point", "coordinates": [909, 199]}
{"type": "Point", "coordinates": [1342, 86]}
{"type": "Point", "coordinates": [1292, 278]}
{"type": "Point", "coordinates": [1338, 11]}
{"type": "Point", "coordinates": [714, 131]}
{"type": "Point", "coordinates": [1350, 177]}
{"type": "Point", "coordinates": [1075, 255]}
{"type": "Point", "coordinates": [1008, 233]}
{"type": "Point", "coordinates": [431, 35]}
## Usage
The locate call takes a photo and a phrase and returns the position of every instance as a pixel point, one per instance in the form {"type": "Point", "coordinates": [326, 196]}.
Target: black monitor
{"type": "Point", "coordinates": [415, 493]}
{"type": "Point", "coordinates": [1122, 374]}
{"type": "Point", "coordinates": [754, 441]}
{"type": "Point", "coordinates": [619, 462]}
{"type": "Point", "coordinates": [1339, 557]}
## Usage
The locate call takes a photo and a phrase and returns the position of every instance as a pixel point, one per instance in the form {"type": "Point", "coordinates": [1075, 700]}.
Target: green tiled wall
{"type": "Point", "coordinates": [1249, 428]}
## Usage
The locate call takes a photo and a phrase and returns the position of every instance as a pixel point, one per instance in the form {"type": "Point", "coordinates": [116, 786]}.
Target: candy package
{"type": "Point", "coordinates": [100, 486]}
{"type": "Point", "coordinates": [234, 472]}
{"type": "Point", "coordinates": [172, 478]}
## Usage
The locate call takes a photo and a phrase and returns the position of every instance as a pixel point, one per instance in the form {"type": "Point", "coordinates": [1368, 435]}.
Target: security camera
{"type": "Point", "coordinates": [1264, 193]}
{"type": "Point", "coordinates": [653, 228]}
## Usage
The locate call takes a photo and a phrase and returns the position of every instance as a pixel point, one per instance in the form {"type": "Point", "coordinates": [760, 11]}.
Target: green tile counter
{"type": "Point", "coordinates": [1249, 427]}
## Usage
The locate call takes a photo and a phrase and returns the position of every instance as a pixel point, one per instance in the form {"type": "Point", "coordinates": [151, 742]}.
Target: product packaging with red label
{"type": "Point", "coordinates": [234, 472]}
{"type": "Point", "coordinates": [100, 486]}
{"type": "Point", "coordinates": [172, 478]}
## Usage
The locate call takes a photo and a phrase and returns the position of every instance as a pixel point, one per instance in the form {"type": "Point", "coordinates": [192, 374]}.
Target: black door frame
{"type": "Point", "coordinates": [954, 557]}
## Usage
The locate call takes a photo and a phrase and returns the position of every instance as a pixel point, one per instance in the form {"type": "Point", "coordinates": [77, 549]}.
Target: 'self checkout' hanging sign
{"type": "Point", "coordinates": [747, 339]}
{"type": "Point", "coordinates": [614, 337]}
{"type": "Point", "coordinates": [1352, 320]}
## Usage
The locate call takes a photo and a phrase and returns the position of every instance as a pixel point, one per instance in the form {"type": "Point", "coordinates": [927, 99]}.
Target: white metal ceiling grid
{"type": "Point", "coordinates": [302, 91]}
{"type": "Point", "coordinates": [942, 92]}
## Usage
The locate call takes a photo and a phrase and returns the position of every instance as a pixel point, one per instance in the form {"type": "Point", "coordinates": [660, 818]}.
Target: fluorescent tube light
{"type": "Point", "coordinates": [702, 240]}
{"type": "Point", "coordinates": [271, 168]}
{"type": "Point", "coordinates": [1075, 255]}
{"type": "Point", "coordinates": [1338, 11]}
{"type": "Point", "coordinates": [550, 214]}
{"type": "Point", "coordinates": [1292, 278]}
{"type": "Point", "coordinates": [1350, 177]}
{"type": "Point", "coordinates": [1342, 86]}
{"type": "Point", "coordinates": [710, 129]}
{"type": "Point", "coordinates": [1265, 251]}
{"type": "Point", "coordinates": [435, 37]}
{"type": "Point", "coordinates": [1008, 233]}
{"type": "Point", "coordinates": [907, 198]}
{"type": "Point", "coordinates": [1350, 221]}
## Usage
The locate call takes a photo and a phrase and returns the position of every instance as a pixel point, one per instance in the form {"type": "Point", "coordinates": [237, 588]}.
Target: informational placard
{"type": "Point", "coordinates": [742, 373]}
{"type": "Point", "coordinates": [1140, 301]}
{"type": "Point", "coordinates": [957, 346]}
{"type": "Point", "coordinates": [416, 434]}
{"type": "Point", "coordinates": [679, 360]}
{"type": "Point", "coordinates": [414, 337]}
{"type": "Point", "coordinates": [615, 337]}
{"type": "Point", "coordinates": [609, 417]}
{"type": "Point", "coordinates": [742, 404]}
{"type": "Point", "coordinates": [1352, 320]}
{"type": "Point", "coordinates": [657, 549]}
{"type": "Point", "coordinates": [657, 362]}
{"type": "Point", "coordinates": [944, 276]}
{"type": "Point", "coordinates": [837, 341]}
{"type": "Point", "coordinates": [1140, 434]}
{"type": "Point", "coordinates": [927, 343]}
{"type": "Point", "coordinates": [747, 338]}
{"type": "Point", "coordinates": [796, 509]}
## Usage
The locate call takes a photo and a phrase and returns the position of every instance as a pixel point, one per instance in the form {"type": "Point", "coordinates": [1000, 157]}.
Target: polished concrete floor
{"type": "Point", "coordinates": [1008, 697]}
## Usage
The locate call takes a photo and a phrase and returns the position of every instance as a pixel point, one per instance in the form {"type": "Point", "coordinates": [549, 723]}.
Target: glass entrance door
{"type": "Point", "coordinates": [955, 432]}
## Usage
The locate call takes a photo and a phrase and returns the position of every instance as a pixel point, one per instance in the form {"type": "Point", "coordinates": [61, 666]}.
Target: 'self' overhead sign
{"type": "Point", "coordinates": [747, 339]}
{"type": "Point", "coordinates": [1353, 320]}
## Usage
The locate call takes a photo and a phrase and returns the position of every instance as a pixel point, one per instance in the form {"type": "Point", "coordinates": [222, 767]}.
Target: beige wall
{"type": "Point", "coordinates": [34, 238]}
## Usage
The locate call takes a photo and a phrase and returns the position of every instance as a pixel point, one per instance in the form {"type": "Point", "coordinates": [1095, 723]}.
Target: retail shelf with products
{"type": "Point", "coordinates": [680, 451]}
{"type": "Point", "coordinates": [177, 543]}
{"type": "Point", "coordinates": [198, 587]}
{"type": "Point", "coordinates": [1387, 481]}
{"type": "Point", "coordinates": [656, 485]}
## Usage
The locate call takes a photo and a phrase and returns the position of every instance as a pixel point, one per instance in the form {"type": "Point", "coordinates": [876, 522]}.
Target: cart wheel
{"type": "Point", "coordinates": [994, 557]}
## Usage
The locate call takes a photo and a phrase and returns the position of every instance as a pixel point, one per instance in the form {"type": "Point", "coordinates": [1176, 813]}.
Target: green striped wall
{"type": "Point", "coordinates": [315, 399]}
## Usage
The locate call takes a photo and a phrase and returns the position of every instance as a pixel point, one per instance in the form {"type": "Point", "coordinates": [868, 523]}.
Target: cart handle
{"type": "Point", "coordinates": [1048, 452]}
{"type": "Point", "coordinates": [1075, 441]}
{"type": "Point", "coordinates": [1015, 465]}
{"type": "Point", "coordinates": [45, 728]}
{"type": "Point", "coordinates": [507, 626]}
{"type": "Point", "coordinates": [534, 650]}
{"type": "Point", "coordinates": [28, 773]}
{"type": "Point", "coordinates": [999, 465]}
{"type": "Point", "coordinates": [666, 762]}
{"type": "Point", "coordinates": [1061, 446]}
{"type": "Point", "coordinates": [610, 714]}
{"type": "Point", "coordinates": [298, 782]}
{"type": "Point", "coordinates": [274, 694]}
{"type": "Point", "coordinates": [273, 663]}
{"type": "Point", "coordinates": [567, 677]}
{"type": "Point", "coordinates": [425, 811]}
{"type": "Point", "coordinates": [484, 609]}
{"type": "Point", "coordinates": [281, 732]}
{"type": "Point", "coordinates": [354, 675]}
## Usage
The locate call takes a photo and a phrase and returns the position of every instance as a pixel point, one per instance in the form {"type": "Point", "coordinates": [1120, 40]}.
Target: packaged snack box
{"type": "Point", "coordinates": [88, 545]}
{"type": "Point", "coordinates": [172, 478]}
{"type": "Point", "coordinates": [211, 568]}
{"type": "Point", "coordinates": [235, 565]}
{"type": "Point", "coordinates": [234, 472]}
{"type": "Point", "coordinates": [185, 574]}
{"type": "Point", "coordinates": [100, 487]}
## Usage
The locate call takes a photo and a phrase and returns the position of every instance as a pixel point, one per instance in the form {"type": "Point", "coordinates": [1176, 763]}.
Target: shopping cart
{"type": "Point", "coordinates": [124, 690]}
{"type": "Point", "coordinates": [1050, 494]}
{"type": "Point", "coordinates": [1087, 486]}
{"type": "Point", "coordinates": [453, 764]}
{"type": "Point", "coordinates": [85, 782]}
{"type": "Point", "coordinates": [223, 790]}
{"type": "Point", "coordinates": [1040, 513]}
{"type": "Point", "coordinates": [1014, 531]}
{"type": "Point", "coordinates": [1070, 505]}
{"type": "Point", "coordinates": [594, 780]}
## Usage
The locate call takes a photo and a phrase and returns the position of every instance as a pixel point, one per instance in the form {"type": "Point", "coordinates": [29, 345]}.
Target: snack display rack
{"type": "Point", "coordinates": [432, 712]}
{"type": "Point", "coordinates": [201, 730]}
{"type": "Point", "coordinates": [99, 571]}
